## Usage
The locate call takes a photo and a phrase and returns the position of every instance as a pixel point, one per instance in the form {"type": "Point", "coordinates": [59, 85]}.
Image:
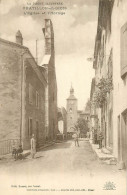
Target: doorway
{"type": "Point", "coordinates": [119, 138]}
{"type": "Point", "coordinates": [125, 140]}
{"type": "Point", "coordinates": [124, 137]}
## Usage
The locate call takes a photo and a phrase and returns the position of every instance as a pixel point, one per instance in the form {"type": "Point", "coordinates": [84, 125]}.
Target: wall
{"type": "Point", "coordinates": [71, 116]}
{"type": "Point", "coordinates": [52, 93]}
{"type": "Point", "coordinates": [37, 114]}
{"type": "Point", "coordinates": [119, 18]}
{"type": "Point", "coordinates": [10, 90]}
{"type": "Point", "coordinates": [15, 75]}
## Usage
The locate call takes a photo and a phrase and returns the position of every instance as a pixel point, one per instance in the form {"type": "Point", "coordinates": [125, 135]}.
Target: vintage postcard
{"type": "Point", "coordinates": [63, 97]}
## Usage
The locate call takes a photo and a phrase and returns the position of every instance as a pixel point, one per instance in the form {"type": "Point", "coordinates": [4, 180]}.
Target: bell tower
{"type": "Point", "coordinates": [71, 111]}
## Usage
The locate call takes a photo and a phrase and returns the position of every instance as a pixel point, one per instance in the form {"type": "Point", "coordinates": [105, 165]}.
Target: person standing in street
{"type": "Point", "coordinates": [100, 138]}
{"type": "Point", "coordinates": [76, 136]}
{"type": "Point", "coordinates": [33, 146]}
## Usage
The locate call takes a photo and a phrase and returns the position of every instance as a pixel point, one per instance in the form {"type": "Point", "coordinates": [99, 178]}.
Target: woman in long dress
{"type": "Point", "coordinates": [33, 146]}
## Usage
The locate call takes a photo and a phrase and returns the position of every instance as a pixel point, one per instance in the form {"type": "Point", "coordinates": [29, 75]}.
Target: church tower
{"type": "Point", "coordinates": [71, 111]}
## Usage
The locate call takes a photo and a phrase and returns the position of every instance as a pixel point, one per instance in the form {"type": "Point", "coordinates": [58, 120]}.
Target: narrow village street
{"type": "Point", "coordinates": [63, 81]}
{"type": "Point", "coordinates": [61, 157]}
{"type": "Point", "coordinates": [65, 162]}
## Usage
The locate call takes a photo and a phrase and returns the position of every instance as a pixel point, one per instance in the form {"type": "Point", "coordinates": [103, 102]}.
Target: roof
{"type": "Point", "coordinates": [71, 97]}
{"type": "Point", "coordinates": [13, 44]}
{"type": "Point", "coordinates": [27, 56]}
{"type": "Point", "coordinates": [18, 34]}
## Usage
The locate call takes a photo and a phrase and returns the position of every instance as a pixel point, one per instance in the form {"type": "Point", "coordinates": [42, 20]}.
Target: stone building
{"type": "Point", "coordinates": [28, 92]}
{"type": "Point", "coordinates": [84, 115]}
{"type": "Point", "coordinates": [22, 97]}
{"type": "Point", "coordinates": [93, 114]}
{"type": "Point", "coordinates": [72, 114]}
{"type": "Point", "coordinates": [103, 110]}
{"type": "Point", "coordinates": [48, 64]}
{"type": "Point", "coordinates": [110, 63]}
{"type": "Point", "coordinates": [62, 122]}
{"type": "Point", "coordinates": [118, 43]}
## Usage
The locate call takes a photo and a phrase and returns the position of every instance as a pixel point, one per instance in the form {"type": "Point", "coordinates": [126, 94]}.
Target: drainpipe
{"type": "Point", "coordinates": [22, 98]}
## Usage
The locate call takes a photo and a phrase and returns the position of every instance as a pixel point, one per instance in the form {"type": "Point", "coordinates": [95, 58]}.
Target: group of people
{"type": "Point", "coordinates": [17, 153]}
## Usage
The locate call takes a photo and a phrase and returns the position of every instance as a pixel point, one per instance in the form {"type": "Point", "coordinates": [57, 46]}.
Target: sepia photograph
{"type": "Point", "coordinates": [63, 97]}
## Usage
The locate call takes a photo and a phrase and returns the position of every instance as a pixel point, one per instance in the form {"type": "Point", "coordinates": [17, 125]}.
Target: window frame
{"type": "Point", "coordinates": [30, 91]}
{"type": "Point", "coordinates": [37, 100]}
{"type": "Point", "coordinates": [29, 124]}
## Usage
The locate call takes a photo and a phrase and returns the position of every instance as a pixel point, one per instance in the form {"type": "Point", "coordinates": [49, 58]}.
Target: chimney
{"type": "Point", "coordinates": [19, 39]}
{"type": "Point", "coordinates": [49, 37]}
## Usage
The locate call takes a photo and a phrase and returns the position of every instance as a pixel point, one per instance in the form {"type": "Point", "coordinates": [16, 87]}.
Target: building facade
{"type": "Point", "coordinates": [111, 72]}
{"type": "Point", "coordinates": [48, 64]}
{"type": "Point", "coordinates": [93, 115]}
{"type": "Point", "coordinates": [22, 86]}
{"type": "Point", "coordinates": [119, 45]}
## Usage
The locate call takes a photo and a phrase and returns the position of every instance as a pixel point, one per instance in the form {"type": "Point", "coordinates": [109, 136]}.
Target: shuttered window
{"type": "Point", "coordinates": [30, 94]}
{"type": "Point", "coordinates": [124, 50]}
{"type": "Point", "coordinates": [37, 99]}
{"type": "Point", "coordinates": [30, 126]}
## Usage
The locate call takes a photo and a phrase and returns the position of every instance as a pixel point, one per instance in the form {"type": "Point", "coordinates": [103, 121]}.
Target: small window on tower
{"type": "Point", "coordinates": [70, 110]}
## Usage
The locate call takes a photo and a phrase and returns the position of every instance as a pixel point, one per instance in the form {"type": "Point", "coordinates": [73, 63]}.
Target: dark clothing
{"type": "Point", "coordinates": [76, 142]}
{"type": "Point", "coordinates": [17, 153]}
{"type": "Point", "coordinates": [76, 139]}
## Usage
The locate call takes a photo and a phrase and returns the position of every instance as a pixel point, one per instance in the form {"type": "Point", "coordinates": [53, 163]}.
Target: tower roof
{"type": "Point", "coordinates": [71, 97]}
{"type": "Point", "coordinates": [18, 34]}
{"type": "Point", "coordinates": [71, 90]}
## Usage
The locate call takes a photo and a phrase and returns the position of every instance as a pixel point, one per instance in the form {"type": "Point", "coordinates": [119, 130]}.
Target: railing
{"type": "Point", "coordinates": [6, 146]}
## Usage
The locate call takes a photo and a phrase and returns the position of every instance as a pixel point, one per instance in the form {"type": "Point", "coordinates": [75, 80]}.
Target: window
{"type": "Point", "coordinates": [37, 129]}
{"type": "Point", "coordinates": [30, 94]}
{"type": "Point", "coordinates": [30, 127]}
{"type": "Point", "coordinates": [70, 110]}
{"type": "Point", "coordinates": [53, 98]}
{"type": "Point", "coordinates": [42, 102]}
{"type": "Point", "coordinates": [124, 50]}
{"type": "Point", "coordinates": [37, 99]}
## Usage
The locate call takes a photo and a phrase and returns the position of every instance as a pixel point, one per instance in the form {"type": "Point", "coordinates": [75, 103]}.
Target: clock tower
{"type": "Point", "coordinates": [71, 111]}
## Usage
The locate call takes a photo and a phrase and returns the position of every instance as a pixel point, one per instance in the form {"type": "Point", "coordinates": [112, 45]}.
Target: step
{"type": "Point", "coordinates": [100, 154]}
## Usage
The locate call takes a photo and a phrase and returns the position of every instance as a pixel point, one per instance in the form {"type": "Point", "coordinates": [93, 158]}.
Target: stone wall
{"type": "Point", "coordinates": [10, 91]}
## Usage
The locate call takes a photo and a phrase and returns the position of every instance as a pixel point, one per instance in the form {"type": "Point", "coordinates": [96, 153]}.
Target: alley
{"type": "Point", "coordinates": [64, 160]}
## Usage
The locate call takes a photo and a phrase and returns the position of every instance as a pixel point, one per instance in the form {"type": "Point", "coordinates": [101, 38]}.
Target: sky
{"type": "Point", "coordinates": [74, 41]}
